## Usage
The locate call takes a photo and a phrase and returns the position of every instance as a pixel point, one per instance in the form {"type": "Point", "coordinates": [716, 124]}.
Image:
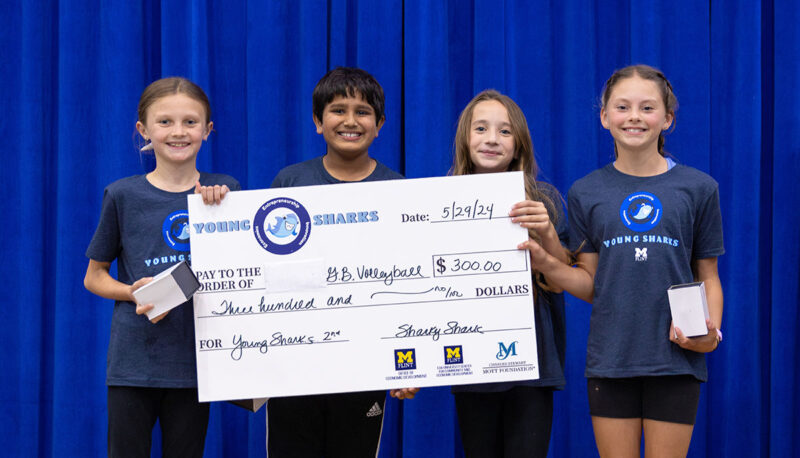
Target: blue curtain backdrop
{"type": "Point", "coordinates": [72, 72]}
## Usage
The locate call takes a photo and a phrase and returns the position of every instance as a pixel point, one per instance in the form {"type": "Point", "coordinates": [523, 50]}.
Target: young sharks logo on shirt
{"type": "Point", "coordinates": [641, 211]}
{"type": "Point", "coordinates": [175, 230]}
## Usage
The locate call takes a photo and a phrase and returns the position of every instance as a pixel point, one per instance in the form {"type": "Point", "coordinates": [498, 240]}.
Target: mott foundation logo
{"type": "Point", "coordinates": [282, 225]}
{"type": "Point", "coordinates": [405, 359]}
{"type": "Point", "coordinates": [505, 351]}
{"type": "Point", "coordinates": [453, 354]}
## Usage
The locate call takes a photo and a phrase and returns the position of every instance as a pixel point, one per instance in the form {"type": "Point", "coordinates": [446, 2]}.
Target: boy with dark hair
{"type": "Point", "coordinates": [348, 112]}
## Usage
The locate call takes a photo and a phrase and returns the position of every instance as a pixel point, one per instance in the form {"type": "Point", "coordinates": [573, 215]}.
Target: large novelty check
{"type": "Point", "coordinates": [362, 286]}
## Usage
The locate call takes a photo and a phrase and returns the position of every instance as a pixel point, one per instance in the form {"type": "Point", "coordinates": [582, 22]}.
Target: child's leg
{"type": "Point", "coordinates": [617, 437]}
{"type": "Point", "coordinates": [480, 419]}
{"type": "Point", "coordinates": [669, 410]}
{"type": "Point", "coordinates": [527, 421]}
{"type": "Point", "coordinates": [616, 409]}
{"type": "Point", "coordinates": [664, 439]}
{"type": "Point", "coordinates": [132, 413]}
{"type": "Point", "coordinates": [184, 422]}
{"type": "Point", "coordinates": [296, 427]}
{"type": "Point", "coordinates": [354, 423]}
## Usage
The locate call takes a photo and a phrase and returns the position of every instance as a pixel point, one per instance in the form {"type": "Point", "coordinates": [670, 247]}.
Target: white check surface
{"type": "Point", "coordinates": [406, 283]}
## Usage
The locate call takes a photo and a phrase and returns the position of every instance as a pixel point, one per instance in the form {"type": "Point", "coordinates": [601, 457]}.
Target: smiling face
{"type": "Point", "coordinates": [349, 126]}
{"type": "Point", "coordinates": [491, 141]}
{"type": "Point", "coordinates": [176, 126]}
{"type": "Point", "coordinates": [635, 115]}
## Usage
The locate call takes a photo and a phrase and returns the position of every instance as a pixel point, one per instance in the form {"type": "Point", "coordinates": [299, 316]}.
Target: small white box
{"type": "Point", "coordinates": [689, 308]}
{"type": "Point", "coordinates": [169, 289]}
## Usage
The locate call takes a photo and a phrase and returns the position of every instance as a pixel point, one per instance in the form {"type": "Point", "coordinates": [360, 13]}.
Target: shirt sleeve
{"type": "Point", "coordinates": [578, 234]}
{"type": "Point", "coordinates": [559, 218]}
{"type": "Point", "coordinates": [707, 229]}
{"type": "Point", "coordinates": [105, 244]}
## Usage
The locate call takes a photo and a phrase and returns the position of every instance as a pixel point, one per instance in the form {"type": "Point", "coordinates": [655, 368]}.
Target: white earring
{"type": "Point", "coordinates": [147, 147]}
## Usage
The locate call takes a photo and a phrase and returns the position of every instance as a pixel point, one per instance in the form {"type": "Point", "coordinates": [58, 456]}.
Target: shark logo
{"type": "Point", "coordinates": [641, 211]}
{"type": "Point", "coordinates": [175, 230]}
{"type": "Point", "coordinates": [182, 233]}
{"type": "Point", "coordinates": [284, 226]}
{"type": "Point", "coordinates": [290, 229]}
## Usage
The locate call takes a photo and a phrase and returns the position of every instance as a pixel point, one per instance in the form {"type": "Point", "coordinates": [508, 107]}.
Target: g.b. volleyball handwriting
{"type": "Point", "coordinates": [343, 274]}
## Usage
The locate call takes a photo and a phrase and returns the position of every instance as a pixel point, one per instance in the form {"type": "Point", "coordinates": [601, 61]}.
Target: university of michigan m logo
{"type": "Point", "coordinates": [452, 355]}
{"type": "Point", "coordinates": [405, 359]}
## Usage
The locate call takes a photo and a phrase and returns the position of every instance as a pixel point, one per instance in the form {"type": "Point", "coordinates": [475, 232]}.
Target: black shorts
{"type": "Point", "coordinates": [671, 398]}
{"type": "Point", "coordinates": [339, 425]}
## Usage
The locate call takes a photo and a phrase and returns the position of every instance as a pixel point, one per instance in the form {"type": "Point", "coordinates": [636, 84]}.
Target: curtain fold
{"type": "Point", "coordinates": [73, 72]}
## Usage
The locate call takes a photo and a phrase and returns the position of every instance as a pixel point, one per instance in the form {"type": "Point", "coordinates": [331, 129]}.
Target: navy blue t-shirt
{"type": "Point", "coordinates": [646, 232]}
{"type": "Point", "coordinates": [312, 172]}
{"type": "Point", "coordinates": [549, 314]}
{"type": "Point", "coordinates": [146, 230]}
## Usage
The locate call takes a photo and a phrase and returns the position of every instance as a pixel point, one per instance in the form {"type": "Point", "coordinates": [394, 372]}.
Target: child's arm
{"type": "Point", "coordinates": [100, 282]}
{"type": "Point", "coordinates": [578, 281]}
{"type": "Point", "coordinates": [705, 270]}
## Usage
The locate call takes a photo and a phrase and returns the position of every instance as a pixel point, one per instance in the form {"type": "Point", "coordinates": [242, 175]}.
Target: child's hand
{"type": "Point", "coordinates": [136, 285]}
{"type": "Point", "coordinates": [211, 194]}
{"type": "Point", "coordinates": [531, 214]}
{"type": "Point", "coordinates": [538, 254]}
{"type": "Point", "coordinates": [701, 344]}
{"type": "Point", "coordinates": [142, 309]}
{"type": "Point", "coordinates": [404, 393]}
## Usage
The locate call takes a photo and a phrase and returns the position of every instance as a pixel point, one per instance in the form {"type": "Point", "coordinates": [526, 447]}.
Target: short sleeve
{"type": "Point", "coordinates": [559, 218]}
{"type": "Point", "coordinates": [278, 182]}
{"type": "Point", "coordinates": [105, 244]}
{"type": "Point", "coordinates": [708, 228]}
{"type": "Point", "coordinates": [578, 235]}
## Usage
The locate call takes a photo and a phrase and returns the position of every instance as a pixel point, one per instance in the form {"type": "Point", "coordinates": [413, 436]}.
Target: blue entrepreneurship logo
{"type": "Point", "coordinates": [640, 211]}
{"type": "Point", "coordinates": [282, 225]}
{"type": "Point", "coordinates": [175, 230]}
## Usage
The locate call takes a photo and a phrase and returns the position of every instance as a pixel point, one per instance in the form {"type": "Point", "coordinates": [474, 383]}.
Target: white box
{"type": "Point", "coordinates": [689, 308]}
{"type": "Point", "coordinates": [169, 289]}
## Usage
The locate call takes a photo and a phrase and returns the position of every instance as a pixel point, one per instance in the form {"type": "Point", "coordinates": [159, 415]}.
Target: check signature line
{"type": "Point", "coordinates": [483, 331]}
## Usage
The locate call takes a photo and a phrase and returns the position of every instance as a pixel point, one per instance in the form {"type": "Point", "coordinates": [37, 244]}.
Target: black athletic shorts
{"type": "Point", "coordinates": [671, 398]}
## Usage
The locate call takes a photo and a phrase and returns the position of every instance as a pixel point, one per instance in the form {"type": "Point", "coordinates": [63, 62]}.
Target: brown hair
{"type": "Point", "coordinates": [523, 160]}
{"type": "Point", "coordinates": [170, 86]}
{"type": "Point", "coordinates": [523, 146]}
{"type": "Point", "coordinates": [649, 73]}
